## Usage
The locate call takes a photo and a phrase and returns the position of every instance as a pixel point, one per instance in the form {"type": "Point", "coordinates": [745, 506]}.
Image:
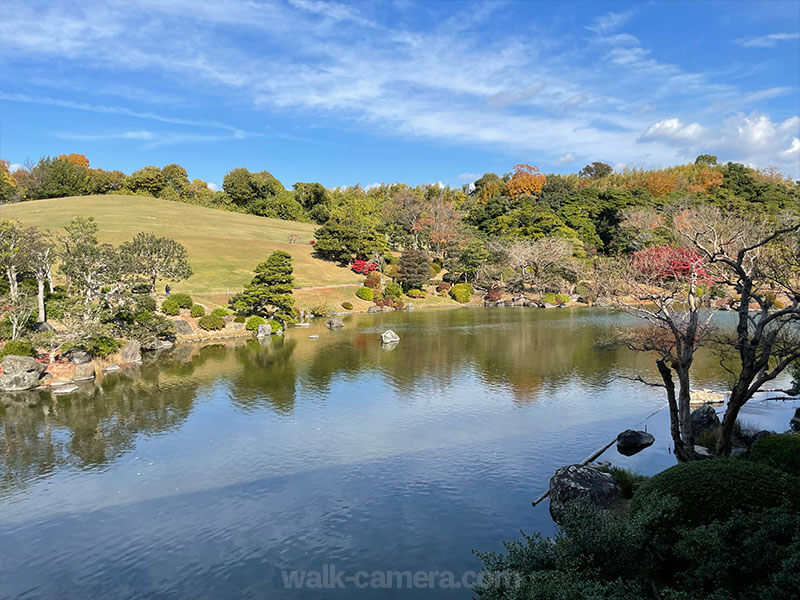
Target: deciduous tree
{"type": "Point", "coordinates": [156, 258]}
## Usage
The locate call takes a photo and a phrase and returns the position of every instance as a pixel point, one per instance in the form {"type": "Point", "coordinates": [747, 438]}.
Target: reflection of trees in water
{"type": "Point", "coordinates": [266, 374]}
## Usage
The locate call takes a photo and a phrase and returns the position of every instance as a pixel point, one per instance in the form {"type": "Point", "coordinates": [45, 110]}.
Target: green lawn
{"type": "Point", "coordinates": [223, 247]}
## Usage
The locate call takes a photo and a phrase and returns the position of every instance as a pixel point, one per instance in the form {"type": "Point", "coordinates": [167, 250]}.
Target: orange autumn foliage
{"type": "Point", "coordinates": [706, 180]}
{"type": "Point", "coordinates": [76, 159]}
{"type": "Point", "coordinates": [526, 181]}
{"type": "Point", "coordinates": [659, 183]}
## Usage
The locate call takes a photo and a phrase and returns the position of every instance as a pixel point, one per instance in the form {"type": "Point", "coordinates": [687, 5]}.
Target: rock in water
{"type": "Point", "coordinates": [704, 419]}
{"type": "Point", "coordinates": [264, 330]}
{"type": "Point", "coordinates": [131, 352]}
{"type": "Point", "coordinates": [84, 372]}
{"type": "Point", "coordinates": [582, 484]}
{"type": "Point", "coordinates": [157, 344]}
{"type": "Point", "coordinates": [20, 373]}
{"type": "Point", "coordinates": [182, 327]}
{"type": "Point", "coordinates": [335, 323]}
{"type": "Point", "coordinates": [629, 442]}
{"type": "Point", "coordinates": [65, 389]}
{"type": "Point", "coordinates": [389, 337]}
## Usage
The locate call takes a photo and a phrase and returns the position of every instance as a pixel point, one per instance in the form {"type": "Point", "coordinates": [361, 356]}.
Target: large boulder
{"type": "Point", "coordinates": [264, 330]}
{"type": "Point", "coordinates": [43, 327]}
{"type": "Point", "coordinates": [704, 419]}
{"type": "Point", "coordinates": [20, 373]}
{"type": "Point", "coordinates": [629, 442]}
{"type": "Point", "coordinates": [155, 344]}
{"type": "Point", "coordinates": [335, 323]}
{"type": "Point", "coordinates": [182, 327]}
{"type": "Point", "coordinates": [578, 483]}
{"type": "Point", "coordinates": [389, 337]}
{"type": "Point", "coordinates": [131, 352]}
{"type": "Point", "coordinates": [84, 372]}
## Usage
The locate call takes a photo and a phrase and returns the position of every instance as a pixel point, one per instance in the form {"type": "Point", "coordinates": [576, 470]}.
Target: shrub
{"type": "Point", "coordinates": [493, 295]}
{"type": "Point", "coordinates": [562, 298]}
{"type": "Point", "coordinates": [239, 319]}
{"type": "Point", "coordinates": [347, 305]}
{"type": "Point", "coordinates": [145, 302]}
{"type": "Point", "coordinates": [461, 292]}
{"type": "Point", "coordinates": [443, 287]}
{"type": "Point", "coordinates": [17, 348]}
{"type": "Point", "coordinates": [393, 289]}
{"type": "Point", "coordinates": [182, 300]}
{"type": "Point", "coordinates": [100, 345]}
{"type": "Point", "coordinates": [211, 322]}
{"type": "Point", "coordinates": [321, 310]}
{"type": "Point", "coordinates": [780, 452]}
{"type": "Point", "coordinates": [413, 293]}
{"type": "Point", "coordinates": [170, 307]}
{"type": "Point", "coordinates": [253, 323]}
{"type": "Point", "coordinates": [198, 310]}
{"type": "Point", "coordinates": [710, 490]}
{"type": "Point", "coordinates": [365, 293]}
{"type": "Point", "coordinates": [221, 312]}
{"type": "Point", "coordinates": [549, 298]}
{"type": "Point", "coordinates": [373, 282]}
{"type": "Point", "coordinates": [627, 481]}
{"type": "Point", "coordinates": [436, 268]}
{"type": "Point", "coordinates": [275, 326]}
{"type": "Point", "coordinates": [363, 266]}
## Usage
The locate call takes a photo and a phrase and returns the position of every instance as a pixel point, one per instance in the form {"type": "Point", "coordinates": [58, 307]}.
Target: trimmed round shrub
{"type": "Point", "coordinates": [100, 345]}
{"type": "Point", "coordinates": [145, 302]}
{"type": "Point", "coordinates": [365, 293]}
{"type": "Point", "coordinates": [393, 289]}
{"type": "Point", "coordinates": [17, 348]}
{"type": "Point", "coordinates": [710, 490]}
{"type": "Point", "coordinates": [780, 452]}
{"type": "Point", "coordinates": [461, 292]}
{"type": "Point", "coordinates": [239, 319]}
{"type": "Point", "coordinates": [221, 312]}
{"type": "Point", "coordinates": [182, 300]}
{"type": "Point", "coordinates": [414, 293]}
{"type": "Point", "coordinates": [275, 326]}
{"type": "Point", "coordinates": [198, 310]}
{"type": "Point", "coordinates": [211, 322]}
{"type": "Point", "coordinates": [170, 307]}
{"type": "Point", "coordinates": [347, 305]}
{"type": "Point", "coordinates": [562, 298]}
{"type": "Point", "coordinates": [253, 323]}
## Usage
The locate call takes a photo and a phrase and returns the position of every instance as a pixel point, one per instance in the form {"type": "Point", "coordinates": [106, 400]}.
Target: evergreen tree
{"type": "Point", "coordinates": [415, 269]}
{"type": "Point", "coordinates": [270, 292]}
{"type": "Point", "coordinates": [156, 258]}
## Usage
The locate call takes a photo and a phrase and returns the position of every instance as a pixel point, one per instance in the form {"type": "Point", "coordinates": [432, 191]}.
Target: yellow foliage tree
{"type": "Point", "coordinates": [526, 181]}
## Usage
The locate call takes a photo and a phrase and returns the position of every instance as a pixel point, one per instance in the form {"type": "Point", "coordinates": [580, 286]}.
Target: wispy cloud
{"type": "Point", "coordinates": [609, 22]}
{"type": "Point", "coordinates": [566, 159]}
{"type": "Point", "coordinates": [767, 41]}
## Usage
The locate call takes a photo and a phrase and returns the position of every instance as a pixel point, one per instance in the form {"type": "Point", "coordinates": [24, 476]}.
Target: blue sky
{"type": "Point", "coordinates": [365, 92]}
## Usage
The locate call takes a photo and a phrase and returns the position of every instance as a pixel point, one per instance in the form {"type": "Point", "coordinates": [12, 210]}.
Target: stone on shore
{"type": "Point", "coordinates": [182, 327]}
{"type": "Point", "coordinates": [20, 373]}
{"type": "Point", "coordinates": [77, 356]}
{"type": "Point", "coordinates": [335, 323]}
{"type": "Point", "coordinates": [264, 330]}
{"type": "Point", "coordinates": [131, 352]}
{"type": "Point", "coordinates": [577, 483]}
{"type": "Point", "coordinates": [43, 327]}
{"type": "Point", "coordinates": [629, 442]}
{"type": "Point", "coordinates": [389, 337]}
{"type": "Point", "coordinates": [704, 419]}
{"type": "Point", "coordinates": [84, 372]}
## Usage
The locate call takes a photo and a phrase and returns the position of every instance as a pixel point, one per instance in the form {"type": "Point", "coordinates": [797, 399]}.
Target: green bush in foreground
{"type": "Point", "coordinates": [182, 300]}
{"type": "Point", "coordinates": [461, 292]}
{"type": "Point", "coordinates": [197, 310]}
{"type": "Point", "coordinates": [780, 452]}
{"type": "Point", "coordinates": [253, 323]}
{"type": "Point", "coordinates": [170, 307]}
{"type": "Point", "coordinates": [710, 490]}
{"type": "Point", "coordinates": [17, 348]}
{"type": "Point", "coordinates": [365, 293]}
{"type": "Point", "coordinates": [211, 323]}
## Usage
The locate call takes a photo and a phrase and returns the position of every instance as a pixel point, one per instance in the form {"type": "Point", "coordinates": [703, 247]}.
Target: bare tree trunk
{"type": "Point", "coordinates": [40, 299]}
{"type": "Point", "coordinates": [674, 420]}
{"type": "Point", "coordinates": [685, 412]}
{"type": "Point", "coordinates": [50, 280]}
{"type": "Point", "coordinates": [13, 286]}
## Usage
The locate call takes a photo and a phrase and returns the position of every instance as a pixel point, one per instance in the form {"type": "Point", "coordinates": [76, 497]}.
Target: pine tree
{"type": "Point", "coordinates": [269, 294]}
{"type": "Point", "coordinates": [415, 269]}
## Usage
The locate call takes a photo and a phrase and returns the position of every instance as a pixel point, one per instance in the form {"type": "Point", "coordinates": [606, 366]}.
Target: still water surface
{"type": "Point", "coordinates": [211, 470]}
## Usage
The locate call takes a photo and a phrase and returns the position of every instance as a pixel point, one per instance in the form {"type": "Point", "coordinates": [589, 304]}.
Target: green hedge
{"type": "Point", "coordinates": [253, 323]}
{"type": "Point", "coordinates": [780, 452]}
{"type": "Point", "coordinates": [198, 310]}
{"type": "Point", "coordinates": [461, 292]}
{"type": "Point", "coordinates": [365, 293]}
{"type": "Point", "coordinates": [710, 490]}
{"type": "Point", "coordinates": [182, 300]}
{"type": "Point", "coordinates": [211, 323]}
{"type": "Point", "coordinates": [170, 307]}
{"type": "Point", "coordinates": [17, 348]}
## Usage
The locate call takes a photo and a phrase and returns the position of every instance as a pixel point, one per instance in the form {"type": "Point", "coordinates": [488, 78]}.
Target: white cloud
{"type": "Point", "coordinates": [767, 94]}
{"type": "Point", "coordinates": [609, 22]}
{"type": "Point", "coordinates": [371, 186]}
{"type": "Point", "coordinates": [566, 159]}
{"type": "Point", "coordinates": [212, 186]}
{"type": "Point", "coordinates": [14, 167]}
{"type": "Point", "coordinates": [767, 41]}
{"type": "Point", "coordinates": [673, 130]}
{"type": "Point", "coordinates": [468, 177]}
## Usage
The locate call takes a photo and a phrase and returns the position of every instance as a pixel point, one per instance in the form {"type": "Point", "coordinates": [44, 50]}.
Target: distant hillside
{"type": "Point", "coordinates": [223, 247]}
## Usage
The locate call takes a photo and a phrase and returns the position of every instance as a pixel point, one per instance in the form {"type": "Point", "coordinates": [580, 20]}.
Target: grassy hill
{"type": "Point", "coordinates": [223, 247]}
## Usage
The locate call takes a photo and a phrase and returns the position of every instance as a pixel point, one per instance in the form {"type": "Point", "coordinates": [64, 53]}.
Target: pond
{"type": "Point", "coordinates": [217, 471]}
